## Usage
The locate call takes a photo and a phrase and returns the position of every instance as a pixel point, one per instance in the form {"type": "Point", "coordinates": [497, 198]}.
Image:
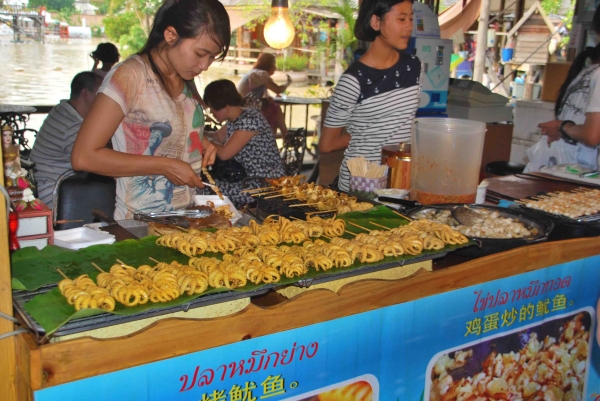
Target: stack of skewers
{"type": "Point", "coordinates": [300, 193]}
{"type": "Point", "coordinates": [574, 204]}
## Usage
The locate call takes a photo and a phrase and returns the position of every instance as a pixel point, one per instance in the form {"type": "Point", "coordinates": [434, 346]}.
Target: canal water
{"type": "Point", "coordinates": [41, 74]}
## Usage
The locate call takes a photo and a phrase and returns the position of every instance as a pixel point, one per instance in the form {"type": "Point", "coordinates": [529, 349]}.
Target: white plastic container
{"type": "Point", "coordinates": [446, 160]}
{"type": "Point", "coordinates": [81, 237]}
{"type": "Point", "coordinates": [481, 192]}
{"type": "Point", "coordinates": [201, 200]}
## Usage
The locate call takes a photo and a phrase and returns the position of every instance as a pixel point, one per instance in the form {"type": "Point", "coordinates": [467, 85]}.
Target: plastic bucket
{"type": "Point", "coordinates": [446, 160]}
{"type": "Point", "coordinates": [507, 55]}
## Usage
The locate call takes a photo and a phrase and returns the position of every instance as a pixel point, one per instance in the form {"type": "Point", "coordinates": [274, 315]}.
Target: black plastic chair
{"type": "Point", "coordinates": [77, 193]}
{"type": "Point", "coordinates": [292, 152]}
{"type": "Point", "coordinates": [504, 168]}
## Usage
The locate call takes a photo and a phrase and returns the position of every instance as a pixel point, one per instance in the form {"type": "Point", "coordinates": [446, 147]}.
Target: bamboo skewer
{"type": "Point", "coordinates": [266, 193]}
{"type": "Point", "coordinates": [121, 262]}
{"type": "Point", "coordinates": [62, 274]}
{"type": "Point", "coordinates": [274, 196]}
{"type": "Point", "coordinates": [361, 227]}
{"type": "Point", "coordinates": [98, 267]}
{"type": "Point", "coordinates": [350, 232]}
{"type": "Point", "coordinates": [152, 259]}
{"type": "Point", "coordinates": [302, 204]}
{"type": "Point", "coordinates": [379, 225]}
{"type": "Point", "coordinates": [401, 215]}
{"type": "Point", "coordinates": [320, 211]}
{"type": "Point", "coordinates": [256, 189]}
{"type": "Point", "coordinates": [520, 202]}
{"type": "Point", "coordinates": [159, 232]}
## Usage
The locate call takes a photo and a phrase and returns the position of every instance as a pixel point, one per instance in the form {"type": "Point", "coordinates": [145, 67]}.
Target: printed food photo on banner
{"type": "Point", "coordinates": [362, 388]}
{"type": "Point", "coordinates": [548, 360]}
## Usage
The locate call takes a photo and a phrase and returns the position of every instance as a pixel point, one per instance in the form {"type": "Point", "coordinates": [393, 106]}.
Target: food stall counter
{"type": "Point", "coordinates": [350, 337]}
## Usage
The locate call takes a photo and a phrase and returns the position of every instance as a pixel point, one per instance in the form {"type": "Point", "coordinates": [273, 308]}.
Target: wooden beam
{"type": "Point", "coordinates": [7, 345]}
{"type": "Point", "coordinates": [482, 31]}
{"type": "Point", "coordinates": [520, 10]}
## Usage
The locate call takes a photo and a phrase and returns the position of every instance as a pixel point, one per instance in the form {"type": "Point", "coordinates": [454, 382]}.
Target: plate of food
{"type": "Point", "coordinates": [223, 206]}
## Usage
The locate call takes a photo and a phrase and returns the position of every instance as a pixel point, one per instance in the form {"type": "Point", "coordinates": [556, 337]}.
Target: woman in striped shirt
{"type": "Point", "coordinates": [375, 100]}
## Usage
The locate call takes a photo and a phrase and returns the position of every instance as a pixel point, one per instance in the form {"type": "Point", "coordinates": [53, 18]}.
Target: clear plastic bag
{"type": "Point", "coordinates": [541, 154]}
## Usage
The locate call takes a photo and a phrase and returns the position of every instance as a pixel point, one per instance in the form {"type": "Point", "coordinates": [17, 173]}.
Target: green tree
{"type": "Point", "coordinates": [133, 41]}
{"type": "Point", "coordinates": [103, 6]}
{"type": "Point", "coordinates": [65, 15]}
{"type": "Point", "coordinates": [116, 26]}
{"type": "Point", "coordinates": [53, 5]}
{"type": "Point", "coordinates": [341, 36]}
{"type": "Point", "coordinates": [130, 22]}
{"type": "Point", "coordinates": [551, 6]}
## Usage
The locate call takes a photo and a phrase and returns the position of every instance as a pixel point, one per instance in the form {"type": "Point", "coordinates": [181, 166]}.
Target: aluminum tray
{"type": "Point", "coordinates": [305, 283]}
{"type": "Point", "coordinates": [110, 319]}
{"type": "Point", "coordinates": [588, 218]}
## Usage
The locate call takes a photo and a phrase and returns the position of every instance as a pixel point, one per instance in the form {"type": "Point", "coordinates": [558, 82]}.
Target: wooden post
{"type": "Point", "coordinates": [520, 10]}
{"type": "Point", "coordinates": [482, 30]}
{"type": "Point", "coordinates": [528, 93]}
{"type": "Point", "coordinates": [7, 345]}
{"type": "Point", "coordinates": [339, 54]}
{"type": "Point", "coordinates": [323, 69]}
{"type": "Point", "coordinates": [499, 39]}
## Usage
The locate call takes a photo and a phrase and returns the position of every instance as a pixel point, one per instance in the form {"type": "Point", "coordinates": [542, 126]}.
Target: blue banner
{"type": "Point", "coordinates": [530, 335]}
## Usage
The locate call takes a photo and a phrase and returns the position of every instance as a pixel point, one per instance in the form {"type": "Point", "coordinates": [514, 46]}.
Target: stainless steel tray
{"type": "Point", "coordinates": [20, 298]}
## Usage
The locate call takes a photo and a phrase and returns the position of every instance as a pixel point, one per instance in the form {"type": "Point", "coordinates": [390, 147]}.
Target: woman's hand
{"type": "Point", "coordinates": [209, 153]}
{"type": "Point", "coordinates": [96, 61]}
{"type": "Point", "coordinates": [551, 129]}
{"type": "Point", "coordinates": [181, 173]}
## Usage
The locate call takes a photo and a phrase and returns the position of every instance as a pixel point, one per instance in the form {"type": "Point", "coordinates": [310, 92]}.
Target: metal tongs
{"type": "Point", "coordinates": [175, 217]}
{"type": "Point", "coordinates": [179, 221]}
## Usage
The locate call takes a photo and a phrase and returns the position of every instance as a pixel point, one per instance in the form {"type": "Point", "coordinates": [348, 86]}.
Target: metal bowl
{"type": "Point", "coordinates": [542, 225]}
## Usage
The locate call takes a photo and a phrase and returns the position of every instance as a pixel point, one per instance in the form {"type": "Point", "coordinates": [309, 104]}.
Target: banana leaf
{"type": "Point", "coordinates": [33, 268]}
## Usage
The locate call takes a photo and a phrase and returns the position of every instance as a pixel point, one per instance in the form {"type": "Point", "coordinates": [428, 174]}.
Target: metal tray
{"type": "Point", "coordinates": [20, 298]}
{"type": "Point", "coordinates": [488, 246]}
{"type": "Point", "coordinates": [564, 227]}
{"type": "Point", "coordinates": [589, 218]}
{"type": "Point", "coordinates": [305, 283]}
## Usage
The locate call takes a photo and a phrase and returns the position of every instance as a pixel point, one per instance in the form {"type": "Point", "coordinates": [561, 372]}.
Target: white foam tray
{"type": "Point", "coordinates": [81, 237]}
{"type": "Point", "coordinates": [201, 200]}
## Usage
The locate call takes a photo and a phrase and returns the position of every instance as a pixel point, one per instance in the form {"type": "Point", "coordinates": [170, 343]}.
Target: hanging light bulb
{"type": "Point", "coordinates": [279, 30]}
